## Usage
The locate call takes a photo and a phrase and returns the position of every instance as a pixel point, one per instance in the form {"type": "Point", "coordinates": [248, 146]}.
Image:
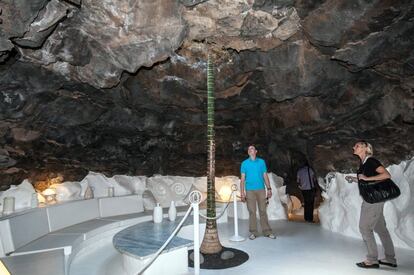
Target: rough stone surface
{"type": "Point", "coordinates": [190, 3]}
{"type": "Point", "coordinates": [201, 257]}
{"type": "Point", "coordinates": [44, 24]}
{"type": "Point", "coordinates": [227, 255]}
{"type": "Point", "coordinates": [119, 87]}
{"type": "Point", "coordinates": [114, 36]}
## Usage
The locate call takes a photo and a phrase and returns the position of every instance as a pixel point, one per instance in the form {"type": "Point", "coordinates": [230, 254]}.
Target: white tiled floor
{"type": "Point", "coordinates": [299, 249]}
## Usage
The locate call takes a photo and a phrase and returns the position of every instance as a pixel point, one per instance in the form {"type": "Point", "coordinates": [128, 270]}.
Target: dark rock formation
{"type": "Point", "coordinates": [119, 86]}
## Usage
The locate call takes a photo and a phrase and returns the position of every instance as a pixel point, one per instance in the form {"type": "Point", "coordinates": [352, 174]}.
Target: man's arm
{"type": "Point", "coordinates": [242, 187]}
{"type": "Point", "coordinates": [268, 187]}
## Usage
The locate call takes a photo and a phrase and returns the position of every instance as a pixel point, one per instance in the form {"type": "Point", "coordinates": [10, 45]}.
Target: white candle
{"type": "Point", "coordinates": [8, 205]}
{"type": "Point", "coordinates": [111, 191]}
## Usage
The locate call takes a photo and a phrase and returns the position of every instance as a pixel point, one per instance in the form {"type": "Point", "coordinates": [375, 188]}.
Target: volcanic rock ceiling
{"type": "Point", "coordinates": [119, 86]}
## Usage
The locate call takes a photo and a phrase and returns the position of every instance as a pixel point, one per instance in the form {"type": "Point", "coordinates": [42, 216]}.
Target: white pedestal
{"type": "Point", "coordinates": [237, 238]}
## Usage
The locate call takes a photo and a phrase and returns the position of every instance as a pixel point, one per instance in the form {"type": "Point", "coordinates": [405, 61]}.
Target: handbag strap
{"type": "Point", "coordinates": [310, 180]}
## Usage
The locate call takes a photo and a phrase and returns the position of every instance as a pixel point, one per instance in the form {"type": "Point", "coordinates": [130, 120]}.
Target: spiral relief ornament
{"type": "Point", "coordinates": [160, 189]}
{"type": "Point", "coordinates": [178, 188]}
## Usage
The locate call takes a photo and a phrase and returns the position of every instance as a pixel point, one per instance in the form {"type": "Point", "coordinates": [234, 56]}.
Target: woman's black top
{"type": "Point", "coordinates": [368, 169]}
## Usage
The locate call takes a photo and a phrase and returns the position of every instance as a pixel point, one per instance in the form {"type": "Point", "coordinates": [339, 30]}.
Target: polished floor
{"type": "Point", "coordinates": [300, 249]}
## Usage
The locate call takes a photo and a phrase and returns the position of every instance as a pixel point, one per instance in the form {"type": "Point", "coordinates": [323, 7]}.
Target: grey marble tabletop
{"type": "Point", "coordinates": [144, 239]}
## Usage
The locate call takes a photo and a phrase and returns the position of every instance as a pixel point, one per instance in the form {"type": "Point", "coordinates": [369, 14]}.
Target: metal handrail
{"type": "Point", "coordinates": [195, 199]}
{"type": "Point", "coordinates": [167, 241]}
{"type": "Point", "coordinates": [222, 212]}
{"type": "Point", "coordinates": [233, 190]}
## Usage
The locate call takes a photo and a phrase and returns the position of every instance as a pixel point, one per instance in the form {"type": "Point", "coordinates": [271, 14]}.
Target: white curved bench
{"type": "Point", "coordinates": [61, 230]}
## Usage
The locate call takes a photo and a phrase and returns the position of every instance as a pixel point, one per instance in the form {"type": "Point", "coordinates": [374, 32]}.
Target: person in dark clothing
{"type": "Point", "coordinates": [307, 183]}
{"type": "Point", "coordinates": [372, 215]}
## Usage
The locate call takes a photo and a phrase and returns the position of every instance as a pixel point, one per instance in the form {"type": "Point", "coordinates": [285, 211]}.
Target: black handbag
{"type": "Point", "coordinates": [378, 191]}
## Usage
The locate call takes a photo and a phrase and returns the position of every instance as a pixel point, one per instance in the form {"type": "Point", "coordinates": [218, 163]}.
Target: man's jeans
{"type": "Point", "coordinates": [258, 197]}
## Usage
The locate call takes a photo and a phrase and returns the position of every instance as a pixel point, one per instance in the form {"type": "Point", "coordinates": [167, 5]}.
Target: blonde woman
{"type": "Point", "coordinates": [372, 215]}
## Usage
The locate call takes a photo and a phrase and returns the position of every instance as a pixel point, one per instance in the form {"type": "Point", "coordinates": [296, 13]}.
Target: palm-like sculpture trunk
{"type": "Point", "coordinates": [211, 243]}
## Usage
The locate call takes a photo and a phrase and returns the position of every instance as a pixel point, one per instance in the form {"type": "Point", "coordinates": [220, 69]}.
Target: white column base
{"type": "Point", "coordinates": [237, 238]}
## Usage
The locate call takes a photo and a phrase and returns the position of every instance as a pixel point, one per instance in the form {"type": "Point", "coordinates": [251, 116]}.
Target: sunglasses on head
{"type": "Point", "coordinates": [363, 142]}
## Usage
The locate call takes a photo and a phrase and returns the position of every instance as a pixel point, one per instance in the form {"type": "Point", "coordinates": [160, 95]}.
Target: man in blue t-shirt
{"type": "Point", "coordinates": [252, 189]}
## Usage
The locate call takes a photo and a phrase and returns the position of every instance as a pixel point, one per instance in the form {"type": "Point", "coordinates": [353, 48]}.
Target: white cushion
{"type": "Point", "coordinates": [275, 180]}
{"type": "Point", "coordinates": [200, 184]}
{"type": "Point", "coordinates": [22, 194]}
{"type": "Point", "coordinates": [135, 185]}
{"type": "Point", "coordinates": [166, 189]}
{"type": "Point", "coordinates": [67, 191]}
{"type": "Point", "coordinates": [148, 200]}
{"type": "Point", "coordinates": [100, 184]}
